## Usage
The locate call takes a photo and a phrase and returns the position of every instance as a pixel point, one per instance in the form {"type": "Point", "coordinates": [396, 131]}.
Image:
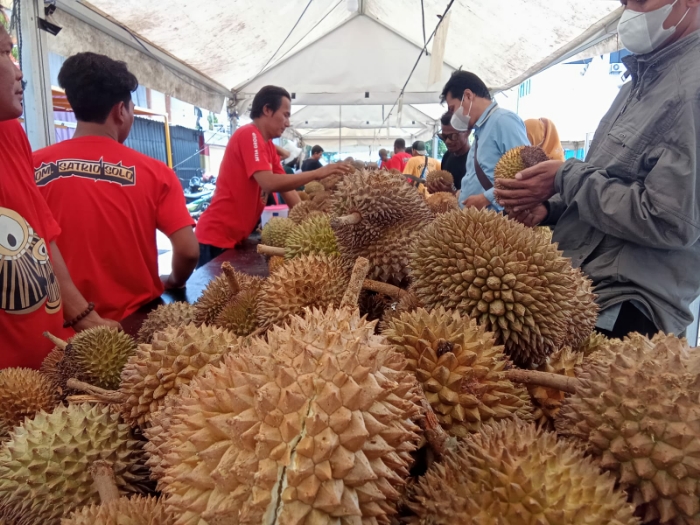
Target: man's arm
{"type": "Point", "coordinates": [273, 182]}
{"type": "Point", "coordinates": [73, 301]}
{"type": "Point", "coordinates": [185, 258]}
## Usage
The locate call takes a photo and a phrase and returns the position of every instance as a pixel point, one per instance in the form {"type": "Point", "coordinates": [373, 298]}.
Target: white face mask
{"type": "Point", "coordinates": [459, 120]}
{"type": "Point", "coordinates": [642, 33]}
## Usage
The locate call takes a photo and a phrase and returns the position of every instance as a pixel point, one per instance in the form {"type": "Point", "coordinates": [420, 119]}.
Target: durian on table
{"type": "Point", "coordinates": [312, 236]}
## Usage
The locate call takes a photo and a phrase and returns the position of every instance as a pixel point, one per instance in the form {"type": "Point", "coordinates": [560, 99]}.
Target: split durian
{"type": "Point", "coordinates": [175, 356]}
{"type": "Point", "coordinates": [459, 367]}
{"type": "Point", "coordinates": [312, 426]}
{"type": "Point", "coordinates": [637, 408]}
{"type": "Point", "coordinates": [44, 466]}
{"type": "Point", "coordinates": [307, 281]}
{"type": "Point", "coordinates": [512, 473]}
{"type": "Point", "coordinates": [276, 231]}
{"type": "Point", "coordinates": [442, 202]}
{"type": "Point", "coordinates": [313, 187]}
{"type": "Point", "coordinates": [23, 393]}
{"type": "Point", "coordinates": [517, 159]}
{"type": "Point", "coordinates": [508, 278]}
{"type": "Point", "coordinates": [173, 314]}
{"type": "Point", "coordinates": [275, 263]}
{"type": "Point", "coordinates": [137, 510]}
{"type": "Point", "coordinates": [314, 235]}
{"type": "Point", "coordinates": [440, 181]}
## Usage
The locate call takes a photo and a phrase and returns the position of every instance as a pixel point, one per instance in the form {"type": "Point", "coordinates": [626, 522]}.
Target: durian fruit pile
{"type": "Point", "coordinates": [441, 196]}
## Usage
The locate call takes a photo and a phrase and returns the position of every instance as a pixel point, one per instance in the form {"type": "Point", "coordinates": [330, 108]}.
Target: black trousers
{"type": "Point", "coordinates": [207, 252]}
{"type": "Point", "coordinates": [631, 319]}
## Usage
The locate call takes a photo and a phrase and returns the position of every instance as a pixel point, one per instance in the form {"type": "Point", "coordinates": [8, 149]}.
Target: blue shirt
{"type": "Point", "coordinates": [497, 130]}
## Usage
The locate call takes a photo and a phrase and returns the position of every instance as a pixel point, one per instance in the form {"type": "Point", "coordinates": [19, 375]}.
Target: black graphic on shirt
{"type": "Point", "coordinates": [86, 169]}
{"type": "Point", "coordinates": [27, 280]}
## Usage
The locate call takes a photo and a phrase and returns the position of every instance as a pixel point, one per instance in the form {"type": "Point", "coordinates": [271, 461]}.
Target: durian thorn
{"type": "Point", "coordinates": [544, 379]}
{"type": "Point", "coordinates": [387, 289]}
{"type": "Point", "coordinates": [347, 220]}
{"type": "Point", "coordinates": [357, 279]}
{"type": "Point", "coordinates": [103, 476]}
{"type": "Point", "coordinates": [230, 274]}
{"type": "Point", "coordinates": [433, 432]}
{"type": "Point", "coordinates": [60, 343]}
{"type": "Point", "coordinates": [271, 250]}
{"type": "Point", "coordinates": [107, 396]}
{"type": "Point", "coordinates": [259, 332]}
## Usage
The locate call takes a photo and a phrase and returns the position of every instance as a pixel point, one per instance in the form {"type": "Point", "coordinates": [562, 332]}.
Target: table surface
{"type": "Point", "coordinates": [244, 258]}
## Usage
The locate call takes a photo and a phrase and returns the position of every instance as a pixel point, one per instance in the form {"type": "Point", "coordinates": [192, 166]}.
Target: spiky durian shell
{"type": "Point", "coordinates": [313, 187]}
{"type": "Point", "coordinates": [442, 202]}
{"type": "Point", "coordinates": [305, 210]}
{"type": "Point", "coordinates": [314, 235]}
{"type": "Point", "coordinates": [373, 305]}
{"type": "Point", "coordinates": [303, 195]}
{"type": "Point", "coordinates": [238, 316]}
{"type": "Point", "coordinates": [459, 367]}
{"type": "Point", "coordinates": [512, 473]}
{"type": "Point", "coordinates": [173, 314]}
{"type": "Point", "coordinates": [50, 367]}
{"type": "Point", "coordinates": [274, 263]}
{"type": "Point", "coordinates": [44, 466]}
{"type": "Point", "coordinates": [159, 369]}
{"type": "Point", "coordinates": [308, 281]}
{"type": "Point", "coordinates": [506, 276]}
{"type": "Point", "coordinates": [276, 231]}
{"type": "Point", "coordinates": [595, 342]}
{"type": "Point", "coordinates": [217, 295]}
{"type": "Point", "coordinates": [331, 183]}
{"type": "Point", "coordinates": [137, 510]}
{"type": "Point", "coordinates": [545, 231]}
{"type": "Point", "coordinates": [517, 159]}
{"type": "Point", "coordinates": [97, 356]}
{"type": "Point", "coordinates": [23, 393]}
{"type": "Point", "coordinates": [533, 155]}
{"type": "Point", "coordinates": [314, 426]}
{"type": "Point", "coordinates": [638, 409]}
{"type": "Point", "coordinates": [440, 181]}
{"type": "Point", "coordinates": [547, 401]}
{"type": "Point", "coordinates": [408, 302]}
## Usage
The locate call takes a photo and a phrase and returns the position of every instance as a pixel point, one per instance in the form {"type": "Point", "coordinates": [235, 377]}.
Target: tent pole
{"type": "Point", "coordinates": [340, 129]}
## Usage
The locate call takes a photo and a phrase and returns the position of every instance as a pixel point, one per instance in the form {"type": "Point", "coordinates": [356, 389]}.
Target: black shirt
{"type": "Point", "coordinates": [311, 165]}
{"type": "Point", "coordinates": [456, 165]}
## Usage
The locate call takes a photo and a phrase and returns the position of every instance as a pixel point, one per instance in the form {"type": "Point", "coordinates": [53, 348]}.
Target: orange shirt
{"type": "Point", "coordinates": [238, 200]}
{"type": "Point", "coordinates": [109, 200]}
{"type": "Point", "coordinates": [30, 298]}
{"type": "Point", "coordinates": [399, 161]}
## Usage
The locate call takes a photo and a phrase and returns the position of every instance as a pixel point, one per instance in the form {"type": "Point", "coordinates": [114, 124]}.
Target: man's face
{"type": "Point", "coordinates": [279, 120]}
{"type": "Point", "coordinates": [318, 155]}
{"type": "Point", "coordinates": [10, 80]}
{"type": "Point", "coordinates": [679, 15]}
{"type": "Point", "coordinates": [383, 155]}
{"type": "Point", "coordinates": [453, 139]}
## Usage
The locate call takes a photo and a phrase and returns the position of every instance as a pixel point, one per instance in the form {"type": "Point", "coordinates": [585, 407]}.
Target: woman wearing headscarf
{"type": "Point", "coordinates": [543, 133]}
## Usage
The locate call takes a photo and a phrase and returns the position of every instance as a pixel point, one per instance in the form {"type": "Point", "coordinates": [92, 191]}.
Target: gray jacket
{"type": "Point", "coordinates": [629, 215]}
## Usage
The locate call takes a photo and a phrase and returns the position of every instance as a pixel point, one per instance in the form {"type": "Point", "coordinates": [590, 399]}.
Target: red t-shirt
{"type": "Point", "coordinates": [109, 200]}
{"type": "Point", "coordinates": [399, 161]}
{"type": "Point", "coordinates": [30, 298]}
{"type": "Point", "coordinates": [238, 200]}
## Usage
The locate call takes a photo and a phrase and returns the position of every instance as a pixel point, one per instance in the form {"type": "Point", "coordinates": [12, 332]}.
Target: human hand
{"type": "Point", "coordinates": [339, 168]}
{"type": "Point", "coordinates": [169, 284]}
{"type": "Point", "coordinates": [93, 320]}
{"type": "Point", "coordinates": [530, 217]}
{"type": "Point", "coordinates": [530, 187]}
{"type": "Point", "coordinates": [477, 201]}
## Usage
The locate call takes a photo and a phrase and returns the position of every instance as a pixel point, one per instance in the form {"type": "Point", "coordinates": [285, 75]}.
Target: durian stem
{"type": "Point", "coordinates": [433, 432]}
{"type": "Point", "coordinates": [348, 220]}
{"type": "Point", "coordinates": [544, 379]}
{"type": "Point", "coordinates": [60, 343]}
{"type": "Point", "coordinates": [231, 277]}
{"type": "Point", "coordinates": [107, 396]}
{"type": "Point", "coordinates": [103, 476]}
{"type": "Point", "coordinates": [270, 250]}
{"type": "Point", "coordinates": [357, 279]}
{"type": "Point", "coordinates": [385, 288]}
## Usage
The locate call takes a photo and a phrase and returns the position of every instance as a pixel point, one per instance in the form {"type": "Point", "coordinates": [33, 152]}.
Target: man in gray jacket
{"type": "Point", "coordinates": [629, 215]}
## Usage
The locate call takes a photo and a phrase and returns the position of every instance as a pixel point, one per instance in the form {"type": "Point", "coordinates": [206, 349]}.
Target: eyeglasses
{"type": "Point", "coordinates": [452, 136]}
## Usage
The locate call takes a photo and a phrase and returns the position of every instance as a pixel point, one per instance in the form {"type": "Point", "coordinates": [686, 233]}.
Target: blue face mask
{"type": "Point", "coordinates": [459, 120]}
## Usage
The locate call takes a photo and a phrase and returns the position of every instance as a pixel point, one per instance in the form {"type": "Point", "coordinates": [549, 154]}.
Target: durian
{"type": "Point", "coordinates": [442, 202]}
{"type": "Point", "coordinates": [44, 466]}
{"type": "Point", "coordinates": [595, 342]}
{"type": "Point", "coordinates": [305, 210]}
{"type": "Point", "coordinates": [307, 281]}
{"type": "Point", "coordinates": [440, 181]}
{"type": "Point", "coordinates": [331, 183]}
{"type": "Point", "coordinates": [508, 278]}
{"type": "Point", "coordinates": [23, 393]}
{"type": "Point", "coordinates": [512, 473]}
{"type": "Point", "coordinates": [274, 263]}
{"type": "Point", "coordinates": [159, 369]}
{"type": "Point", "coordinates": [219, 293]}
{"type": "Point", "coordinates": [173, 314]}
{"type": "Point", "coordinates": [137, 510]}
{"type": "Point", "coordinates": [50, 368]}
{"type": "Point", "coordinates": [314, 235]}
{"type": "Point", "coordinates": [637, 407]}
{"type": "Point", "coordinates": [276, 231]}
{"type": "Point", "coordinates": [314, 426]}
{"type": "Point", "coordinates": [547, 401]}
{"type": "Point", "coordinates": [373, 305]}
{"type": "Point", "coordinates": [303, 195]}
{"type": "Point", "coordinates": [459, 367]}
{"type": "Point", "coordinates": [313, 187]}
{"type": "Point", "coordinates": [238, 316]}
{"type": "Point", "coordinates": [517, 159]}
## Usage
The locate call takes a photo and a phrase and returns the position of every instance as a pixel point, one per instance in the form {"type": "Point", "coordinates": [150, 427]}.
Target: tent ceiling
{"type": "Point", "coordinates": [359, 117]}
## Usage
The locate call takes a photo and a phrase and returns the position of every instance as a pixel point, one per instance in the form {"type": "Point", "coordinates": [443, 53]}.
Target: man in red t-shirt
{"type": "Point", "coordinates": [400, 158]}
{"type": "Point", "coordinates": [108, 199]}
{"type": "Point", "coordinates": [251, 169]}
{"type": "Point", "coordinates": [36, 292]}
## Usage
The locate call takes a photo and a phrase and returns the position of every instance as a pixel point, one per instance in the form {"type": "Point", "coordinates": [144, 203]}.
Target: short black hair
{"type": "Point", "coordinates": [316, 149]}
{"type": "Point", "coordinates": [446, 119]}
{"type": "Point", "coordinates": [270, 97]}
{"type": "Point", "coordinates": [461, 81]}
{"type": "Point", "coordinates": [400, 143]}
{"type": "Point", "coordinates": [94, 84]}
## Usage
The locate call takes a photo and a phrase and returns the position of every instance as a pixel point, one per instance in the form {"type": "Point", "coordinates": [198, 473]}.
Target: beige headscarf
{"type": "Point", "coordinates": [543, 133]}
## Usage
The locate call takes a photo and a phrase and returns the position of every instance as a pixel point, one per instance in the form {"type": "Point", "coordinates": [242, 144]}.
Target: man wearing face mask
{"type": "Point", "coordinates": [496, 130]}
{"type": "Point", "coordinates": [629, 215]}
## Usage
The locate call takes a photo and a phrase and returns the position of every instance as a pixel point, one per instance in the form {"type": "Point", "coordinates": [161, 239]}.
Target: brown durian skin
{"type": "Point", "coordinates": [23, 393]}
{"type": "Point", "coordinates": [307, 209]}
{"type": "Point", "coordinates": [547, 401]}
{"type": "Point", "coordinates": [218, 294]}
{"type": "Point", "coordinates": [313, 426]}
{"type": "Point", "coordinates": [507, 277]}
{"type": "Point", "coordinates": [137, 510]}
{"type": "Point", "coordinates": [238, 316]}
{"type": "Point", "coordinates": [303, 195]}
{"type": "Point", "coordinates": [637, 409]}
{"type": "Point", "coordinates": [460, 369]}
{"type": "Point", "coordinates": [173, 314]}
{"type": "Point", "coordinates": [274, 263]}
{"type": "Point", "coordinates": [510, 472]}
{"type": "Point", "coordinates": [313, 187]}
{"type": "Point", "coordinates": [442, 202]}
{"type": "Point", "coordinates": [440, 181]}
